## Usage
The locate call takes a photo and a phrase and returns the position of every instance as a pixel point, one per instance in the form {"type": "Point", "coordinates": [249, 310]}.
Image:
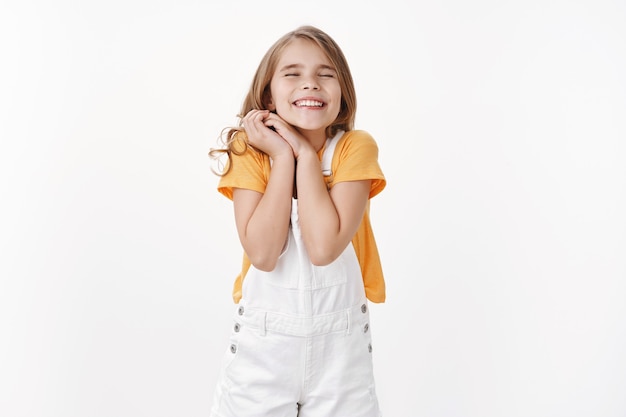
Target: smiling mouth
{"type": "Point", "coordinates": [308, 103]}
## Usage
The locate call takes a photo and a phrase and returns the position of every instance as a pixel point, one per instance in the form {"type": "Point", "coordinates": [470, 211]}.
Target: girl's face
{"type": "Point", "coordinates": [305, 91]}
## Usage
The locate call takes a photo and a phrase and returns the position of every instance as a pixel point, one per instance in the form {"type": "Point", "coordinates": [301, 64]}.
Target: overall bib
{"type": "Point", "coordinates": [301, 342]}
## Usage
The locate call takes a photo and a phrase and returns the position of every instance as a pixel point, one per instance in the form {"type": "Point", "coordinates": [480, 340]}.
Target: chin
{"type": "Point", "coordinates": [304, 128]}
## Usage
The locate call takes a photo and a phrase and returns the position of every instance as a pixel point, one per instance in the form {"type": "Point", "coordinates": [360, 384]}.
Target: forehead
{"type": "Point", "coordinates": [302, 52]}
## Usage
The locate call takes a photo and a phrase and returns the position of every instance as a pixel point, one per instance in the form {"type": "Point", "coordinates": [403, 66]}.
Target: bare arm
{"type": "Point", "coordinates": [262, 219]}
{"type": "Point", "coordinates": [328, 220]}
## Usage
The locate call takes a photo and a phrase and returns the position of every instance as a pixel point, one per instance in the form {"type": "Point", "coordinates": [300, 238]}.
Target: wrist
{"type": "Point", "coordinates": [307, 153]}
{"type": "Point", "coordinates": [286, 157]}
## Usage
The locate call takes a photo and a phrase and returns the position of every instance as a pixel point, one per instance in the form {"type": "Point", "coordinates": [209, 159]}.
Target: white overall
{"type": "Point", "coordinates": [300, 344]}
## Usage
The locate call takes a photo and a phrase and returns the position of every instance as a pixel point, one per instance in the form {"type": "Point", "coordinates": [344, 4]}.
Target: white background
{"type": "Point", "coordinates": [501, 128]}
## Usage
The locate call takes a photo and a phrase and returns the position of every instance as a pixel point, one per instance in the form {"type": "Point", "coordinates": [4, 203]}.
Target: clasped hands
{"type": "Point", "coordinates": [269, 133]}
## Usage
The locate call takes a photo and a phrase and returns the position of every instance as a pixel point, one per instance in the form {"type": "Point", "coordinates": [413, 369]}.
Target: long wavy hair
{"type": "Point", "coordinates": [259, 96]}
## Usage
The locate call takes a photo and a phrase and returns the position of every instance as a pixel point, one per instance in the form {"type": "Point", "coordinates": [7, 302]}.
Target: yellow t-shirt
{"type": "Point", "coordinates": [355, 158]}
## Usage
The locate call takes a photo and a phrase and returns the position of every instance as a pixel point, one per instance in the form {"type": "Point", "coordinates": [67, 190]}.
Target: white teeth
{"type": "Point", "coordinates": [309, 103]}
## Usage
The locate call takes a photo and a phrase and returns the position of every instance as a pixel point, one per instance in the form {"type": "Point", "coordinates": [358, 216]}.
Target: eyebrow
{"type": "Point", "coordinates": [299, 66]}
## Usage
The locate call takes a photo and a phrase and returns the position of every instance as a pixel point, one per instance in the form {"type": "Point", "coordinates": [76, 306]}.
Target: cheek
{"type": "Point", "coordinates": [337, 95]}
{"type": "Point", "coordinates": [276, 100]}
{"type": "Point", "coordinates": [340, 104]}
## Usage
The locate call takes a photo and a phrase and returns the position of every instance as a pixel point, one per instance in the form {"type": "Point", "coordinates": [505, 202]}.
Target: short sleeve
{"type": "Point", "coordinates": [355, 159]}
{"type": "Point", "coordinates": [249, 170]}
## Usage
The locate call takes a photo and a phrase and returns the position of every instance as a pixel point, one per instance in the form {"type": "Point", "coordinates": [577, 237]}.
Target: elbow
{"type": "Point", "coordinates": [324, 253]}
{"type": "Point", "coordinates": [322, 257]}
{"type": "Point", "coordinates": [264, 257]}
{"type": "Point", "coordinates": [264, 263]}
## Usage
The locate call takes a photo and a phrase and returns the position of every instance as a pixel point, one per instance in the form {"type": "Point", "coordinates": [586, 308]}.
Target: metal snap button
{"type": "Point", "coordinates": [363, 308]}
{"type": "Point", "coordinates": [369, 347]}
{"type": "Point", "coordinates": [366, 327]}
{"type": "Point", "coordinates": [237, 327]}
{"type": "Point", "coordinates": [240, 310]}
{"type": "Point", "coordinates": [233, 348]}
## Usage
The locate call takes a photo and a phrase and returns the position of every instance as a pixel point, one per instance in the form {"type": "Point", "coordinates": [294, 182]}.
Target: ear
{"type": "Point", "coordinates": [267, 99]}
{"type": "Point", "coordinates": [270, 104]}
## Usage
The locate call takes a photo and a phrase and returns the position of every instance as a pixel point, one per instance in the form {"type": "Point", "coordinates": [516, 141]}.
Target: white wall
{"type": "Point", "coordinates": [501, 128]}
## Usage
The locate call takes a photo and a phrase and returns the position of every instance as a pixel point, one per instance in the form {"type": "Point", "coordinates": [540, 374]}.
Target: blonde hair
{"type": "Point", "coordinates": [258, 96]}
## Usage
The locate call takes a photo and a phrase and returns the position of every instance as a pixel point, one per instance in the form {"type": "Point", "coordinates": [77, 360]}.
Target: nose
{"type": "Point", "coordinates": [310, 84]}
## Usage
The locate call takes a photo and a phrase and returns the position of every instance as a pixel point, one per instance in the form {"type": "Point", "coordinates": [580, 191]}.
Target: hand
{"type": "Point", "coordinates": [262, 137]}
{"type": "Point", "coordinates": [289, 133]}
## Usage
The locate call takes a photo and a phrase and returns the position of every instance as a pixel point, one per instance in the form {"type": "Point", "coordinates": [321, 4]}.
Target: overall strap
{"type": "Point", "coordinates": [329, 150]}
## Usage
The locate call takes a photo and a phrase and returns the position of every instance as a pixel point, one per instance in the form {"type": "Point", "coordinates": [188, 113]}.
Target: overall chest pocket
{"type": "Point", "coordinates": [295, 271]}
{"type": "Point", "coordinates": [335, 273]}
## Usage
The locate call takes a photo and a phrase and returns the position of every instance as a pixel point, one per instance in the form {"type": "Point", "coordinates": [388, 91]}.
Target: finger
{"type": "Point", "coordinates": [252, 114]}
{"type": "Point", "coordinates": [256, 117]}
{"type": "Point", "coordinates": [251, 120]}
{"type": "Point", "coordinates": [274, 120]}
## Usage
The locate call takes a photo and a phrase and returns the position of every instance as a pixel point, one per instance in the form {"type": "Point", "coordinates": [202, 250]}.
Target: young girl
{"type": "Point", "coordinates": [300, 179]}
